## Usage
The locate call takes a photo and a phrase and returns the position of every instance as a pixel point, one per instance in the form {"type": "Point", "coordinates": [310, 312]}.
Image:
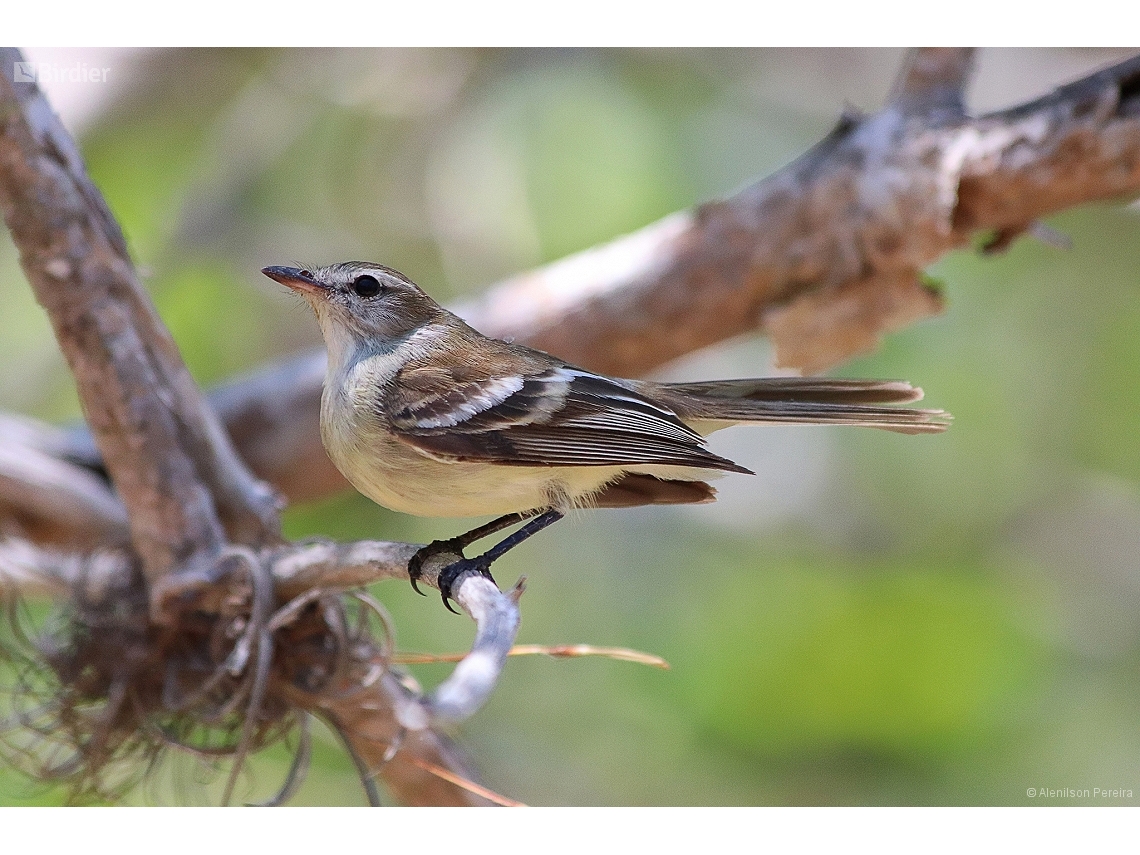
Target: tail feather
{"type": "Point", "coordinates": [805, 400]}
{"type": "Point", "coordinates": [819, 390]}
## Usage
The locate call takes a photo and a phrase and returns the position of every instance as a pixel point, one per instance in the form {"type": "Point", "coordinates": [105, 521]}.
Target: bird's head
{"type": "Point", "coordinates": [359, 304]}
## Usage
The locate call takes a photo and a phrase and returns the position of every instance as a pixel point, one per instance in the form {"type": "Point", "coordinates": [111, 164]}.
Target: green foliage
{"type": "Point", "coordinates": [897, 662]}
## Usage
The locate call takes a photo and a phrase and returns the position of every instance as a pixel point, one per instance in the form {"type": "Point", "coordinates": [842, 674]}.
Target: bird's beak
{"type": "Point", "coordinates": [297, 279]}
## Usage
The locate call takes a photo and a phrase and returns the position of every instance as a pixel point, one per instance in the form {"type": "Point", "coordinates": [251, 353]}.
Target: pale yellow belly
{"type": "Point", "coordinates": [395, 475]}
{"type": "Point", "coordinates": [430, 488]}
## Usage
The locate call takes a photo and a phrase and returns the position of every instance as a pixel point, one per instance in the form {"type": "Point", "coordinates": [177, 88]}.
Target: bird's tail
{"type": "Point", "coordinates": [804, 400]}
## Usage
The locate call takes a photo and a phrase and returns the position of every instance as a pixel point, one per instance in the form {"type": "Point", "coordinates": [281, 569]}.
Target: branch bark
{"type": "Point", "coordinates": [176, 471]}
{"type": "Point", "coordinates": [849, 227]}
{"type": "Point", "coordinates": [933, 80]}
{"type": "Point", "coordinates": [48, 498]}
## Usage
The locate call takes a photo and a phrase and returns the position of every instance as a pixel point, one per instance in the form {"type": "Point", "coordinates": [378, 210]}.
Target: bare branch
{"type": "Point", "coordinates": [871, 205]}
{"type": "Point", "coordinates": [28, 571]}
{"type": "Point", "coordinates": [286, 409]}
{"type": "Point", "coordinates": [477, 674]}
{"type": "Point", "coordinates": [163, 447]}
{"type": "Point", "coordinates": [336, 566]}
{"type": "Point", "coordinates": [300, 569]}
{"type": "Point", "coordinates": [49, 499]}
{"type": "Point", "coordinates": [339, 566]}
{"type": "Point", "coordinates": [1078, 144]}
{"type": "Point", "coordinates": [367, 720]}
{"type": "Point", "coordinates": [31, 571]}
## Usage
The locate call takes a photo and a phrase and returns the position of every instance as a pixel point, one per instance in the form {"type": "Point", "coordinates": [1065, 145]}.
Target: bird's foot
{"type": "Point", "coordinates": [480, 564]}
{"type": "Point", "coordinates": [450, 547]}
{"type": "Point", "coordinates": [461, 565]}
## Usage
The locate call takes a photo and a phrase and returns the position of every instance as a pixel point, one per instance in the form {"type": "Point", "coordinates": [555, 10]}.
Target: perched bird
{"type": "Point", "coordinates": [425, 415]}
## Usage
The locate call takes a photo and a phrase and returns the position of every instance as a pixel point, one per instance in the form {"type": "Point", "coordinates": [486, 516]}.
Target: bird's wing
{"type": "Point", "coordinates": [553, 415]}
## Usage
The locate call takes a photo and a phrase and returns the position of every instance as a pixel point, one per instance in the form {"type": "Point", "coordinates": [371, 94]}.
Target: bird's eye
{"type": "Point", "coordinates": [367, 286]}
{"type": "Point", "coordinates": [306, 274]}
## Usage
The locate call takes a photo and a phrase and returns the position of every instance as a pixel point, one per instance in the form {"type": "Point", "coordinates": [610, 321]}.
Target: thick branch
{"type": "Point", "coordinates": [49, 499]}
{"type": "Point", "coordinates": [163, 447]}
{"type": "Point", "coordinates": [873, 203]}
{"type": "Point", "coordinates": [324, 566]}
{"type": "Point", "coordinates": [1078, 144]}
{"type": "Point", "coordinates": [367, 720]}
{"type": "Point", "coordinates": [376, 713]}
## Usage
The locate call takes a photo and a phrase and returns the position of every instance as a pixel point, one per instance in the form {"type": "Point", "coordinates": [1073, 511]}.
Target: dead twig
{"type": "Point", "coordinates": [555, 651]}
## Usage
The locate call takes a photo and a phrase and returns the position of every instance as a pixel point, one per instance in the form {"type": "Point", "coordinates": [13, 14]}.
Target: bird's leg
{"type": "Point", "coordinates": [482, 563]}
{"type": "Point", "coordinates": [460, 542]}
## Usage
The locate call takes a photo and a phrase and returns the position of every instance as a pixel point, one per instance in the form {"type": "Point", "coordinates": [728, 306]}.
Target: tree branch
{"type": "Point", "coordinates": [174, 468]}
{"type": "Point", "coordinates": [48, 498]}
{"type": "Point", "coordinates": [851, 223]}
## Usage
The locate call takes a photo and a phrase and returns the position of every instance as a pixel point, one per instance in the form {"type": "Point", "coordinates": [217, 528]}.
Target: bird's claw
{"type": "Point", "coordinates": [480, 564]}
{"type": "Point", "coordinates": [452, 546]}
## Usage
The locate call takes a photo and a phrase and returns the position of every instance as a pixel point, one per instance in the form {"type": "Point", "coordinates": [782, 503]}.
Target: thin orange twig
{"type": "Point", "coordinates": [560, 651]}
{"type": "Point", "coordinates": [459, 781]}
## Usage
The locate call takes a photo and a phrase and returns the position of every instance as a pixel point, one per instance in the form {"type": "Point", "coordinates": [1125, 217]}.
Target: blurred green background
{"type": "Point", "coordinates": [872, 619]}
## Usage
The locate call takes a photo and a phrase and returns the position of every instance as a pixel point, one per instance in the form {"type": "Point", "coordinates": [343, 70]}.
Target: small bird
{"type": "Point", "coordinates": [425, 415]}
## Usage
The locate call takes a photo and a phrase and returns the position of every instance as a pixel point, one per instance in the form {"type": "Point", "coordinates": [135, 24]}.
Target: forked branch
{"type": "Point", "coordinates": [173, 465]}
{"type": "Point", "coordinates": [195, 642]}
